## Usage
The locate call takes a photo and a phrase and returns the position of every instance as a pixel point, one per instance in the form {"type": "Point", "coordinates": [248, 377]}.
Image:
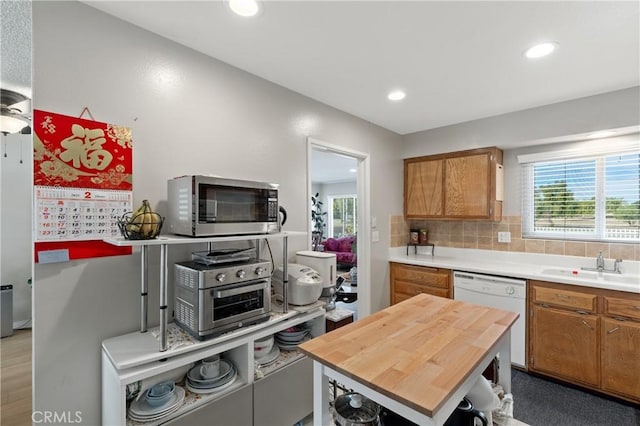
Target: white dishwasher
{"type": "Point", "coordinates": [508, 294]}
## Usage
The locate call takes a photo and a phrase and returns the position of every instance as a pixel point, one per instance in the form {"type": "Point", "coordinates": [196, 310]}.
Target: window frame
{"type": "Point", "coordinates": [330, 199]}
{"type": "Point", "coordinates": [599, 232]}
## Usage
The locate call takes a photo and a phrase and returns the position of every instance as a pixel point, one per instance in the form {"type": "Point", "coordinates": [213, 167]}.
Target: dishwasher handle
{"type": "Point", "coordinates": [487, 278]}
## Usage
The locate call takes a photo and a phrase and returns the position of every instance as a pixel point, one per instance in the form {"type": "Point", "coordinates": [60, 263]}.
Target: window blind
{"type": "Point", "coordinates": [595, 198]}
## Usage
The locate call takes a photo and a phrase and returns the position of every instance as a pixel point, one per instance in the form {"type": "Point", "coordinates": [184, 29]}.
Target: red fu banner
{"type": "Point", "coordinates": [83, 181]}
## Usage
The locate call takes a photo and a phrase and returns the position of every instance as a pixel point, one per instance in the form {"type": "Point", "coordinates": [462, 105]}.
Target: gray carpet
{"type": "Point", "coordinates": [541, 402]}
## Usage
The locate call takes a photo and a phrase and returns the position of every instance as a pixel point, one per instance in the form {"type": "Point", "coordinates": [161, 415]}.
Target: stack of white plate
{"type": "Point", "coordinates": [290, 338]}
{"type": "Point", "coordinates": [143, 409]}
{"type": "Point", "coordinates": [268, 358]}
{"type": "Point", "coordinates": [196, 383]}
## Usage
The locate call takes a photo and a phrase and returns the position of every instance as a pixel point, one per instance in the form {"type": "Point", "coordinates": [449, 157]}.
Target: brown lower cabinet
{"type": "Point", "coordinates": [565, 344]}
{"type": "Point", "coordinates": [410, 280]}
{"type": "Point", "coordinates": [586, 336]}
{"type": "Point", "coordinates": [621, 357]}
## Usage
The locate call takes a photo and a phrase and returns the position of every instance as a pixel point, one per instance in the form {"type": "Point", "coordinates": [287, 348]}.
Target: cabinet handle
{"type": "Point", "coordinates": [637, 308]}
{"type": "Point", "coordinates": [613, 330]}
{"type": "Point", "coordinates": [587, 324]}
{"type": "Point", "coordinates": [583, 312]}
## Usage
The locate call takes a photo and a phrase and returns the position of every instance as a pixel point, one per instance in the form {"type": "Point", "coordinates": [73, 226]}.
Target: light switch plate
{"type": "Point", "coordinates": [375, 236]}
{"type": "Point", "coordinates": [504, 237]}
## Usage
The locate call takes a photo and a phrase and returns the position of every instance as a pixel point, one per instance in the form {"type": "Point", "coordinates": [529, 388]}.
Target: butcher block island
{"type": "Point", "coordinates": [417, 358]}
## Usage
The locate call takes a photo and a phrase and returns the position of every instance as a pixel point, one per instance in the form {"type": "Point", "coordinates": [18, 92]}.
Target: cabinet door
{"type": "Point", "coordinates": [621, 357]}
{"type": "Point", "coordinates": [435, 277]}
{"type": "Point", "coordinates": [467, 186]}
{"type": "Point", "coordinates": [403, 290]}
{"type": "Point", "coordinates": [628, 307]}
{"type": "Point", "coordinates": [565, 344]}
{"type": "Point", "coordinates": [574, 300]}
{"type": "Point", "coordinates": [285, 396]}
{"type": "Point", "coordinates": [232, 410]}
{"type": "Point", "coordinates": [423, 189]}
{"type": "Point", "coordinates": [408, 281]}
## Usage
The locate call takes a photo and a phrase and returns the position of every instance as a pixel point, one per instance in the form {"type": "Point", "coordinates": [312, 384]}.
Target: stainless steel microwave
{"type": "Point", "coordinates": [203, 206]}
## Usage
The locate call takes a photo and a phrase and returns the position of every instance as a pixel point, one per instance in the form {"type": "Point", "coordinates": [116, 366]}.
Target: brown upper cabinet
{"type": "Point", "coordinates": [456, 185]}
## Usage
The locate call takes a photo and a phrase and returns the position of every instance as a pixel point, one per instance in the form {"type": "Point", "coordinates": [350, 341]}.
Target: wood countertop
{"type": "Point", "coordinates": [417, 352]}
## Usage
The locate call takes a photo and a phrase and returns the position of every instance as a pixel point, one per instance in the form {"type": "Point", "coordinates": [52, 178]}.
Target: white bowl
{"type": "Point", "coordinates": [261, 347]}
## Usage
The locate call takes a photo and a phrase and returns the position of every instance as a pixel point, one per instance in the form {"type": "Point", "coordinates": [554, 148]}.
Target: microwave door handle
{"type": "Point", "coordinates": [212, 208]}
{"type": "Point", "coordinates": [238, 290]}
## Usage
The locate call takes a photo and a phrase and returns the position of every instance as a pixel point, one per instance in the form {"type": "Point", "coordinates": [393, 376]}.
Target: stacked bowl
{"type": "Point", "coordinates": [156, 402]}
{"type": "Point", "coordinates": [265, 352]}
{"type": "Point", "coordinates": [290, 338]}
{"type": "Point", "coordinates": [203, 379]}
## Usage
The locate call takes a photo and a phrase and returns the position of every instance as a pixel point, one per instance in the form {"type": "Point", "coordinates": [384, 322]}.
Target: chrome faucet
{"type": "Point", "coordinates": [600, 262]}
{"type": "Point", "coordinates": [600, 265]}
{"type": "Point", "coordinates": [616, 266]}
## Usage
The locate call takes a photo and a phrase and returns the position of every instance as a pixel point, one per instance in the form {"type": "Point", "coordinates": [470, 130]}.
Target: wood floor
{"type": "Point", "coordinates": [15, 379]}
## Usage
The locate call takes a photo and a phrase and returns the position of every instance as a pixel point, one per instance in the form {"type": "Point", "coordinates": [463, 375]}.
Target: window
{"type": "Point", "coordinates": [594, 198]}
{"type": "Point", "coordinates": [342, 215]}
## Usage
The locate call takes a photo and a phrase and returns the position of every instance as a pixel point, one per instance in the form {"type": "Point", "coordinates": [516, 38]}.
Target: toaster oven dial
{"type": "Point", "coordinates": [221, 277]}
{"type": "Point", "coordinates": [259, 270]}
{"type": "Point", "coordinates": [240, 274]}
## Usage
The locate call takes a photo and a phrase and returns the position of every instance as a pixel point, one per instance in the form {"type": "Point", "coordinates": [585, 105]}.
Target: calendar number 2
{"type": "Point", "coordinates": [87, 195]}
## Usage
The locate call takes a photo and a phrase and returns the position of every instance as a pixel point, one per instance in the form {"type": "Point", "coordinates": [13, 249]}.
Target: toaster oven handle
{"type": "Point", "coordinates": [239, 290]}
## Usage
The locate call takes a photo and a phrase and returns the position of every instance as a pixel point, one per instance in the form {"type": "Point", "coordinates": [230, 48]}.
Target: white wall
{"type": "Point", "coordinates": [519, 131]}
{"type": "Point", "coordinates": [15, 224]}
{"type": "Point", "coordinates": [189, 114]}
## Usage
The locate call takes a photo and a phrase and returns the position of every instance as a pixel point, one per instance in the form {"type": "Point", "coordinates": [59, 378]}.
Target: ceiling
{"type": "Point", "coordinates": [329, 167]}
{"type": "Point", "coordinates": [457, 61]}
{"type": "Point", "coordinates": [15, 49]}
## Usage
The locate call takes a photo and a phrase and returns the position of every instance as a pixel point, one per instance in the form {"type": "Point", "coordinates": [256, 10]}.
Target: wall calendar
{"type": "Point", "coordinates": [70, 214]}
{"type": "Point", "coordinates": [82, 174]}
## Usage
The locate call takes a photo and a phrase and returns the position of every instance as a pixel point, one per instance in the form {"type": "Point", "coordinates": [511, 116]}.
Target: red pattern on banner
{"type": "Point", "coordinates": [78, 153]}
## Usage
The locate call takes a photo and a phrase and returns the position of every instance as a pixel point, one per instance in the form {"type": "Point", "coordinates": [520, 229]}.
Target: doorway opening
{"type": "Point", "coordinates": [338, 190]}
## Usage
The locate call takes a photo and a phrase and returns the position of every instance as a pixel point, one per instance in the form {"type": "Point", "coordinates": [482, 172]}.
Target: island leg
{"type": "Point", "coordinates": [321, 415]}
{"type": "Point", "coordinates": [504, 362]}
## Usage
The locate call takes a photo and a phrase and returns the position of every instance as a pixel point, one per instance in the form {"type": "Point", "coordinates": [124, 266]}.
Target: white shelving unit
{"type": "Point", "coordinates": [164, 241]}
{"type": "Point", "coordinates": [134, 358]}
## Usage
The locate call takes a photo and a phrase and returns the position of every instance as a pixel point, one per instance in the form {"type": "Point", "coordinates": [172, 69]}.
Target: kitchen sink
{"type": "Point", "coordinates": [567, 272]}
{"type": "Point", "coordinates": [622, 279]}
{"type": "Point", "coordinates": [628, 279]}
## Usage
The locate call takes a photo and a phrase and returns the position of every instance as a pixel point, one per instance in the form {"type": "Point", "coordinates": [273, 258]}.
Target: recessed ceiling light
{"type": "Point", "coordinates": [244, 7]}
{"type": "Point", "coordinates": [353, 170]}
{"type": "Point", "coordinates": [603, 134]}
{"type": "Point", "coordinates": [540, 50]}
{"type": "Point", "coordinates": [396, 95]}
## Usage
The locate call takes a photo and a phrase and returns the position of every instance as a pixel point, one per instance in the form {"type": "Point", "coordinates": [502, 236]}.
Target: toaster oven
{"type": "Point", "coordinates": [214, 299]}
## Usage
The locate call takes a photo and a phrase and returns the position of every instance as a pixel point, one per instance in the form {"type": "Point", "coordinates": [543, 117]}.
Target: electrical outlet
{"type": "Point", "coordinates": [504, 237]}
